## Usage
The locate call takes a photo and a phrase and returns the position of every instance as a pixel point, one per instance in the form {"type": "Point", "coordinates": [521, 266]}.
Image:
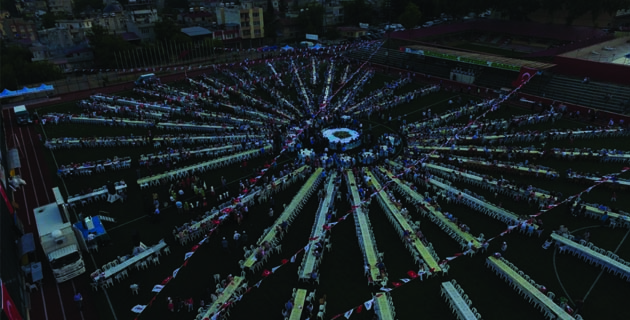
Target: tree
{"type": "Point", "coordinates": [411, 17]}
{"type": "Point", "coordinates": [22, 71]}
{"type": "Point", "coordinates": [311, 18]}
{"type": "Point", "coordinates": [105, 46]}
{"type": "Point", "coordinates": [357, 11]}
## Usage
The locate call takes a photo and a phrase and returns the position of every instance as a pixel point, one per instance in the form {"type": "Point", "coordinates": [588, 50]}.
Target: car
{"type": "Point", "coordinates": [427, 24]}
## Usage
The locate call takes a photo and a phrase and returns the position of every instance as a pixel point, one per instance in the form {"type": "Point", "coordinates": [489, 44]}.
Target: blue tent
{"type": "Point", "coordinates": [317, 47]}
{"type": "Point", "coordinates": [8, 93]}
{"type": "Point", "coordinates": [286, 48]}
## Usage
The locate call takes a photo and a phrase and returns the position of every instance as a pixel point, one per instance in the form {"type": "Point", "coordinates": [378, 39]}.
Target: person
{"type": "Point", "coordinates": [547, 244]}
{"type": "Point", "coordinates": [289, 305]}
{"type": "Point", "coordinates": [237, 238]}
{"type": "Point", "coordinates": [614, 197]}
{"type": "Point", "coordinates": [170, 304]}
{"type": "Point", "coordinates": [78, 298]}
{"type": "Point", "coordinates": [224, 245]}
{"type": "Point", "coordinates": [504, 246]}
{"type": "Point", "coordinates": [244, 238]}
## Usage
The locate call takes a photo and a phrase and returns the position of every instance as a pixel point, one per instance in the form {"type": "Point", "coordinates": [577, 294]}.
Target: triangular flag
{"type": "Point", "coordinates": [386, 289]}
{"type": "Point", "coordinates": [266, 273]}
{"type": "Point", "coordinates": [284, 261]}
{"type": "Point", "coordinates": [188, 255]}
{"type": "Point", "coordinates": [368, 304]}
{"type": "Point", "coordinates": [257, 285]}
{"type": "Point", "coordinates": [405, 280]}
{"type": "Point", "coordinates": [348, 313]}
{"type": "Point", "coordinates": [307, 247]}
{"type": "Point", "coordinates": [275, 268]}
{"type": "Point", "coordinates": [293, 258]}
{"type": "Point", "coordinates": [412, 274]}
{"type": "Point", "coordinates": [396, 284]}
{"type": "Point", "coordinates": [175, 272]}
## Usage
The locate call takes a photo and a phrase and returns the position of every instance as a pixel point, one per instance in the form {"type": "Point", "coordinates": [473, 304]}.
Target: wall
{"type": "Point", "coordinates": [597, 71]}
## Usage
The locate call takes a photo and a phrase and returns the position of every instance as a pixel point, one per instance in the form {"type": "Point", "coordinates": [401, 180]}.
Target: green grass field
{"type": "Point", "coordinates": [341, 270]}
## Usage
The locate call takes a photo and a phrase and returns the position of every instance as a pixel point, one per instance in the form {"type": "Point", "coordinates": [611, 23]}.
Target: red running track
{"type": "Point", "coordinates": [53, 301]}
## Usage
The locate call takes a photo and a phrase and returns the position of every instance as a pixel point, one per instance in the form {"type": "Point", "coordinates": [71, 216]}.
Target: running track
{"type": "Point", "coordinates": [53, 301]}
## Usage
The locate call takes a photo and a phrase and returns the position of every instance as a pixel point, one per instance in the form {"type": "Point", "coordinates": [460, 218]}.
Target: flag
{"type": "Point", "coordinates": [266, 273]}
{"type": "Point", "coordinates": [284, 261]}
{"type": "Point", "coordinates": [273, 270]}
{"type": "Point", "coordinates": [348, 313]}
{"type": "Point", "coordinates": [412, 274]}
{"type": "Point", "coordinates": [257, 285]}
{"type": "Point", "coordinates": [386, 289]}
{"type": "Point", "coordinates": [525, 75]}
{"type": "Point", "coordinates": [396, 284]}
{"type": "Point", "coordinates": [293, 258]}
{"type": "Point", "coordinates": [188, 255]}
{"type": "Point", "coordinates": [405, 280]}
{"type": "Point", "coordinates": [175, 272]}
{"type": "Point", "coordinates": [359, 309]}
{"type": "Point", "coordinates": [368, 304]}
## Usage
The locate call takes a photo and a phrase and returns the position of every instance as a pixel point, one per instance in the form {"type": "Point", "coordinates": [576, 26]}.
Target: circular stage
{"type": "Point", "coordinates": [343, 136]}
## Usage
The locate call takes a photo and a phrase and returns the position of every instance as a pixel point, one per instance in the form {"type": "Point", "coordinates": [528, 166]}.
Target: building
{"type": "Point", "coordinates": [60, 6]}
{"type": "Point", "coordinates": [141, 22]}
{"type": "Point", "coordinates": [197, 18]}
{"type": "Point", "coordinates": [65, 45]}
{"type": "Point", "coordinates": [19, 30]}
{"type": "Point", "coordinates": [351, 32]}
{"type": "Point", "coordinates": [249, 18]}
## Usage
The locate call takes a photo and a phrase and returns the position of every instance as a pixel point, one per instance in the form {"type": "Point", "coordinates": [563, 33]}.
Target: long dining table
{"type": "Point", "coordinates": [289, 211]}
{"type": "Point", "coordinates": [298, 304]}
{"type": "Point", "coordinates": [599, 258]}
{"type": "Point", "coordinates": [383, 307]}
{"type": "Point", "coordinates": [224, 297]}
{"type": "Point", "coordinates": [419, 199]}
{"type": "Point", "coordinates": [404, 225]}
{"type": "Point", "coordinates": [131, 261]}
{"type": "Point", "coordinates": [529, 289]}
{"type": "Point", "coordinates": [457, 302]}
{"type": "Point", "coordinates": [366, 237]}
{"type": "Point", "coordinates": [310, 260]}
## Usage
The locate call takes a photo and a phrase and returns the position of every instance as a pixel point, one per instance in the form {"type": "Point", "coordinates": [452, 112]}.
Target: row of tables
{"type": "Point", "coordinates": [308, 264]}
{"type": "Point", "coordinates": [405, 189]}
{"type": "Point", "coordinates": [202, 165]}
{"type": "Point", "coordinates": [301, 197]}
{"type": "Point", "coordinates": [529, 289]}
{"type": "Point", "coordinates": [505, 216]}
{"type": "Point", "coordinates": [417, 244]}
{"type": "Point", "coordinates": [460, 306]}
{"type": "Point", "coordinates": [366, 238]}
{"type": "Point", "coordinates": [224, 297]}
{"type": "Point", "coordinates": [600, 258]}
{"type": "Point", "coordinates": [106, 274]}
{"type": "Point", "coordinates": [96, 193]}
{"type": "Point", "coordinates": [298, 304]}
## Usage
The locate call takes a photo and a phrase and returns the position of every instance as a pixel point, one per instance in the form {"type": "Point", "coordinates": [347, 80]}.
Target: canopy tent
{"type": "Point", "coordinates": [287, 47]}
{"type": "Point", "coordinates": [317, 46]}
{"type": "Point", "coordinates": [8, 93]}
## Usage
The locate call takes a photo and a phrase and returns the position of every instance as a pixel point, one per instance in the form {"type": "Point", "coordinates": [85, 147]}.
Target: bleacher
{"type": "Point", "coordinates": [572, 90]}
{"type": "Point", "coordinates": [495, 78]}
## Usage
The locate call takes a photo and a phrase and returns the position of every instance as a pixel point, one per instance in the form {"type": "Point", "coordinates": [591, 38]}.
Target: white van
{"type": "Point", "coordinates": [21, 115]}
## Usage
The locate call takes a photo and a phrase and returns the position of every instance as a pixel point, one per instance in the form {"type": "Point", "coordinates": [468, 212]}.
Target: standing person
{"type": "Point", "coordinates": [244, 238]}
{"type": "Point", "coordinates": [225, 245]}
{"type": "Point", "coordinates": [78, 299]}
{"type": "Point", "coordinates": [271, 212]}
{"type": "Point", "coordinates": [614, 197]}
{"type": "Point", "coordinates": [237, 238]}
{"type": "Point", "coordinates": [224, 183]}
{"type": "Point", "coordinates": [504, 246]}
